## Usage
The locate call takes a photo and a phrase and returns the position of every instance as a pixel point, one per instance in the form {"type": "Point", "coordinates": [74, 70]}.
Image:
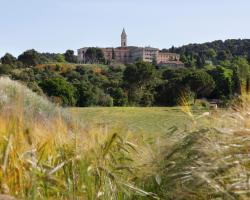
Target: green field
{"type": "Point", "coordinates": [121, 153]}
{"type": "Point", "coordinates": [151, 120]}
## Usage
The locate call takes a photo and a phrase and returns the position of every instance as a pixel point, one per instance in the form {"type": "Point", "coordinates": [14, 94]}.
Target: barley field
{"type": "Point", "coordinates": [47, 152]}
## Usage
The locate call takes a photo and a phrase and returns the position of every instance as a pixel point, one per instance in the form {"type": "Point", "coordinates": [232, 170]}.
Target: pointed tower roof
{"type": "Point", "coordinates": [123, 31]}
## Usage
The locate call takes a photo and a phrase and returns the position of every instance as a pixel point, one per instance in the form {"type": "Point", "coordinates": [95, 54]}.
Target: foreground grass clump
{"type": "Point", "coordinates": [209, 161]}
{"type": "Point", "coordinates": [58, 159]}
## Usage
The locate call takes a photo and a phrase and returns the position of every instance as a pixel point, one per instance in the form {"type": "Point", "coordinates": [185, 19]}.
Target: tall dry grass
{"type": "Point", "coordinates": [46, 154]}
{"type": "Point", "coordinates": [211, 159]}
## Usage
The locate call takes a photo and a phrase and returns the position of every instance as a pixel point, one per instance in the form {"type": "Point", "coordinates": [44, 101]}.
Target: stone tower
{"type": "Point", "coordinates": [123, 38]}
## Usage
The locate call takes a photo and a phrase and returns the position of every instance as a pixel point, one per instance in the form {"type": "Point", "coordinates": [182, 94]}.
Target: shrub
{"type": "Point", "coordinates": [105, 100]}
{"type": "Point", "coordinates": [5, 69]}
{"type": "Point", "coordinates": [119, 96]}
{"type": "Point", "coordinates": [59, 87]}
{"type": "Point", "coordinates": [87, 94]}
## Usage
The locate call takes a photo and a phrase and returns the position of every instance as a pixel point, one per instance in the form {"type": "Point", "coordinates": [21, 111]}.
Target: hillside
{"type": "Point", "coordinates": [213, 52]}
{"type": "Point", "coordinates": [16, 98]}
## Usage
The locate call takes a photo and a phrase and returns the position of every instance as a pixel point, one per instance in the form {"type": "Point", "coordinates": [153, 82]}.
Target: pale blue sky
{"type": "Point", "coordinates": [57, 25]}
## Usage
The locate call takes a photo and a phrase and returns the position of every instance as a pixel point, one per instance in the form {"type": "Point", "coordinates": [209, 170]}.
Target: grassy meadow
{"type": "Point", "coordinates": [148, 120]}
{"type": "Point", "coordinates": [47, 152]}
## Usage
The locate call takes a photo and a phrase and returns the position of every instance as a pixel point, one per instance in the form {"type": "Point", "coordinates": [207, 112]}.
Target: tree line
{"type": "Point", "coordinates": [199, 55]}
{"type": "Point", "coordinates": [139, 84]}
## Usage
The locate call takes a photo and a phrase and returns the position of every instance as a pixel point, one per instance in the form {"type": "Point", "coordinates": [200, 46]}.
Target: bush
{"type": "Point", "coordinates": [105, 100]}
{"type": "Point", "coordinates": [172, 93]}
{"type": "Point", "coordinates": [31, 58]}
{"type": "Point", "coordinates": [60, 88]}
{"type": "Point", "coordinates": [119, 96]}
{"type": "Point", "coordinates": [5, 69]}
{"type": "Point", "coordinates": [8, 59]}
{"type": "Point", "coordinates": [87, 94]}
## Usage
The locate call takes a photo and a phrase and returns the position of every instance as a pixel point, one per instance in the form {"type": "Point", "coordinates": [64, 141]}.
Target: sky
{"type": "Point", "coordinates": [58, 25]}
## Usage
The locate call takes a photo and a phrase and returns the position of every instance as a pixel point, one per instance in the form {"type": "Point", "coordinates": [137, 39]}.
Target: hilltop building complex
{"type": "Point", "coordinates": [130, 54]}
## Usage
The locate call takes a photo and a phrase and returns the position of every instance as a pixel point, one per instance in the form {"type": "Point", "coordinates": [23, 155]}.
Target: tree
{"type": "Point", "coordinates": [211, 54]}
{"type": "Point", "coordinates": [94, 55]}
{"type": "Point", "coordinates": [224, 86]}
{"type": "Point", "coordinates": [171, 93]}
{"type": "Point", "coordinates": [139, 74]}
{"type": "Point", "coordinates": [138, 77]}
{"type": "Point", "coordinates": [70, 56]}
{"type": "Point", "coordinates": [113, 54]}
{"type": "Point", "coordinates": [60, 58]}
{"type": "Point", "coordinates": [59, 88]}
{"type": "Point", "coordinates": [30, 58]}
{"type": "Point", "coordinates": [248, 55]}
{"type": "Point", "coordinates": [248, 85]}
{"type": "Point", "coordinates": [154, 62]}
{"type": "Point", "coordinates": [119, 96]}
{"type": "Point", "coordinates": [200, 82]}
{"type": "Point", "coordinates": [200, 60]}
{"type": "Point", "coordinates": [8, 59]}
{"type": "Point", "coordinates": [5, 69]}
{"type": "Point", "coordinates": [147, 98]}
{"type": "Point", "coordinates": [223, 55]}
{"type": "Point", "coordinates": [237, 82]}
{"type": "Point", "coordinates": [188, 60]}
{"type": "Point", "coordinates": [242, 66]}
{"type": "Point", "coordinates": [87, 94]}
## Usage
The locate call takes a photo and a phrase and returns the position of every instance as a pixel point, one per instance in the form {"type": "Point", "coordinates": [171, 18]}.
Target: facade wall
{"type": "Point", "coordinates": [150, 54]}
{"type": "Point", "coordinates": [81, 54]}
{"type": "Point", "coordinates": [136, 54]}
{"type": "Point", "coordinates": [132, 54]}
{"type": "Point", "coordinates": [129, 54]}
{"type": "Point", "coordinates": [163, 57]}
{"type": "Point", "coordinates": [108, 53]}
{"type": "Point", "coordinates": [122, 55]}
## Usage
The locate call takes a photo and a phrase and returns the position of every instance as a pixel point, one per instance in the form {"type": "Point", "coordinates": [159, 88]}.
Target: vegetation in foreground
{"type": "Point", "coordinates": [46, 154]}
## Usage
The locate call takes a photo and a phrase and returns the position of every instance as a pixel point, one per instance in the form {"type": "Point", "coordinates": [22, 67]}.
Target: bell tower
{"type": "Point", "coordinates": [123, 38]}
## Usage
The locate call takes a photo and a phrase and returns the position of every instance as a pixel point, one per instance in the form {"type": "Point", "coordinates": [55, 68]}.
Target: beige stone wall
{"type": "Point", "coordinates": [122, 54]}
{"type": "Point", "coordinates": [81, 54]}
{"type": "Point", "coordinates": [136, 54]}
{"type": "Point", "coordinates": [108, 52]}
{"type": "Point", "coordinates": [164, 57]}
{"type": "Point", "coordinates": [132, 54]}
{"type": "Point", "coordinates": [149, 54]}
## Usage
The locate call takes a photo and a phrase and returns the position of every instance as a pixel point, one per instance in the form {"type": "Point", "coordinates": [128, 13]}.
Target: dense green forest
{"type": "Point", "coordinates": [216, 70]}
{"type": "Point", "coordinates": [199, 55]}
